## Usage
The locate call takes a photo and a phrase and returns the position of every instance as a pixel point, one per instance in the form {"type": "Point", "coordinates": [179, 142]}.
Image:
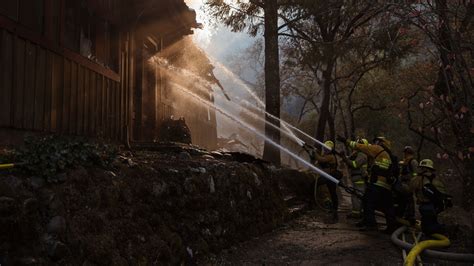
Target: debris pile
{"type": "Point", "coordinates": [170, 204]}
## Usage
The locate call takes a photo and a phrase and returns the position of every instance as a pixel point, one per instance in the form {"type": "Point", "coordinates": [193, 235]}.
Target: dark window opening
{"type": "Point", "coordinates": [90, 36]}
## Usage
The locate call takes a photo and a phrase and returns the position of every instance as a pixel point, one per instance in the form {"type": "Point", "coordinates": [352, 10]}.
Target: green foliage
{"type": "Point", "coordinates": [47, 156]}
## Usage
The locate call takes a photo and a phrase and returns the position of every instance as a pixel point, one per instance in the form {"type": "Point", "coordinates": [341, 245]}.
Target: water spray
{"type": "Point", "coordinates": [252, 129]}
{"type": "Point", "coordinates": [285, 125]}
{"type": "Point", "coordinates": [299, 141]}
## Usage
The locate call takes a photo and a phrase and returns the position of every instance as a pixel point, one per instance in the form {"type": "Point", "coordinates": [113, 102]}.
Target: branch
{"type": "Point", "coordinates": [366, 106]}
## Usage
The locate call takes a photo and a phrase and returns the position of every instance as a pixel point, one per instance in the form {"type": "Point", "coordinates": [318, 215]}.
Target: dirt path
{"type": "Point", "coordinates": [309, 241]}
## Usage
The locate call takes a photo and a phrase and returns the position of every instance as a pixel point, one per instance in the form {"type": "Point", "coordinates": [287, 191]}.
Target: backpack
{"type": "Point", "coordinates": [440, 200]}
{"type": "Point", "coordinates": [394, 171]}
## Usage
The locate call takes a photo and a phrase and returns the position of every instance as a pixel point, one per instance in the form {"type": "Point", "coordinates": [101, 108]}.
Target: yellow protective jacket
{"type": "Point", "coordinates": [357, 163]}
{"type": "Point", "coordinates": [422, 179]}
{"type": "Point", "coordinates": [327, 162]}
{"type": "Point", "coordinates": [409, 168]}
{"type": "Point", "coordinates": [379, 157]}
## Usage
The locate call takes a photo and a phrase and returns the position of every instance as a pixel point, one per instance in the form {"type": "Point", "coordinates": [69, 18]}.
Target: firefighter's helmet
{"type": "Point", "coordinates": [427, 163]}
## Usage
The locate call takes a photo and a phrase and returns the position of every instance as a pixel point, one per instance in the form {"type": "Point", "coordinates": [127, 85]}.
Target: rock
{"type": "Point", "coordinates": [190, 252]}
{"type": "Point", "coordinates": [256, 179]}
{"type": "Point", "coordinates": [272, 168]}
{"type": "Point", "coordinates": [159, 189]}
{"type": "Point", "coordinates": [13, 182]}
{"type": "Point", "coordinates": [249, 194]}
{"type": "Point", "coordinates": [37, 182]}
{"type": "Point", "coordinates": [200, 170]}
{"type": "Point", "coordinates": [206, 232]}
{"type": "Point", "coordinates": [7, 206]}
{"type": "Point", "coordinates": [189, 186]}
{"type": "Point", "coordinates": [28, 261]}
{"type": "Point", "coordinates": [112, 174]}
{"type": "Point", "coordinates": [30, 205]}
{"type": "Point", "coordinates": [56, 250]}
{"type": "Point", "coordinates": [173, 171]}
{"type": "Point", "coordinates": [184, 156]}
{"type": "Point", "coordinates": [212, 185]}
{"type": "Point", "coordinates": [62, 177]}
{"type": "Point", "coordinates": [131, 163]}
{"type": "Point", "coordinates": [218, 230]}
{"type": "Point", "coordinates": [208, 157]}
{"type": "Point", "coordinates": [56, 206]}
{"type": "Point", "coordinates": [57, 225]}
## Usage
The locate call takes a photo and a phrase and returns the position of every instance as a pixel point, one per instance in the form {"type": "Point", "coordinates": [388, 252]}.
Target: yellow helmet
{"type": "Point", "coordinates": [329, 143]}
{"type": "Point", "coordinates": [384, 141]}
{"type": "Point", "coordinates": [380, 138]}
{"type": "Point", "coordinates": [427, 163]}
{"type": "Point", "coordinates": [362, 141]}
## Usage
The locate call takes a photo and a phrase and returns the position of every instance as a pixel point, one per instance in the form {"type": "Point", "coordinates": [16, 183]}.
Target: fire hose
{"type": "Point", "coordinates": [8, 166]}
{"type": "Point", "coordinates": [422, 248]}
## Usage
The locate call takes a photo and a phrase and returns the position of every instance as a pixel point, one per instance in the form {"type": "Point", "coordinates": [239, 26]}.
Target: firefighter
{"type": "Point", "coordinates": [431, 197]}
{"type": "Point", "coordinates": [403, 197]}
{"type": "Point", "coordinates": [378, 193]}
{"type": "Point", "coordinates": [327, 161]}
{"type": "Point", "coordinates": [357, 163]}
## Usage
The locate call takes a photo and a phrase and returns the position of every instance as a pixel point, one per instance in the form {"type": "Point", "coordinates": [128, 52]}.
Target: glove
{"type": "Point", "coordinates": [341, 139]}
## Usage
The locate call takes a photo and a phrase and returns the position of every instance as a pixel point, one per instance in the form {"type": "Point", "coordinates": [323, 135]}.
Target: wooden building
{"type": "Point", "coordinates": [82, 68]}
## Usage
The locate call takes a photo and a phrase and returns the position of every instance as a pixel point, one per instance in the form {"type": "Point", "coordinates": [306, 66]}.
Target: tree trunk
{"type": "Point", "coordinates": [325, 114]}
{"type": "Point", "coordinates": [272, 81]}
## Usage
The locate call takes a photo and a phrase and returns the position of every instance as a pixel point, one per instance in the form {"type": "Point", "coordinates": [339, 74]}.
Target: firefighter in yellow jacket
{"type": "Point", "coordinates": [403, 196]}
{"type": "Point", "coordinates": [327, 161]}
{"type": "Point", "coordinates": [431, 197]}
{"type": "Point", "coordinates": [378, 194]}
{"type": "Point", "coordinates": [357, 164]}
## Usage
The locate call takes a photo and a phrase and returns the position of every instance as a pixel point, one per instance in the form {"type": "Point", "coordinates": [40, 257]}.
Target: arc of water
{"type": "Point", "coordinates": [250, 128]}
{"type": "Point", "coordinates": [262, 119]}
{"type": "Point", "coordinates": [164, 63]}
{"type": "Point", "coordinates": [284, 124]}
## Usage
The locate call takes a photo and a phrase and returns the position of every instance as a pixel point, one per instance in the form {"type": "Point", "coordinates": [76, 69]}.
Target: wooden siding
{"type": "Point", "coordinates": [43, 90]}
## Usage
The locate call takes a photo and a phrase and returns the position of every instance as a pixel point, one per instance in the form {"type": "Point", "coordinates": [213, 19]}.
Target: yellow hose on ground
{"type": "Point", "coordinates": [442, 241]}
{"type": "Point", "coordinates": [6, 166]}
{"type": "Point", "coordinates": [416, 239]}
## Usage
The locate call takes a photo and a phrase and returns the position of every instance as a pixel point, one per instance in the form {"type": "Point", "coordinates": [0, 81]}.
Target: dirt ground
{"type": "Point", "coordinates": [308, 240]}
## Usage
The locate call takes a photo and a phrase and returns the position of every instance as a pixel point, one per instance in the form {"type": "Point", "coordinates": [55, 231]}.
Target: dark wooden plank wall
{"type": "Point", "coordinates": [41, 90]}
